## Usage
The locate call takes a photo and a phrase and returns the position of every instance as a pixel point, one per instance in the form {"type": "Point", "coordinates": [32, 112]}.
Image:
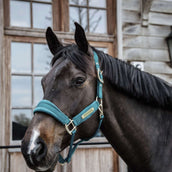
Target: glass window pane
{"type": "Point", "coordinates": [38, 92]}
{"type": "Point", "coordinates": [45, 0]}
{"type": "Point", "coordinates": [20, 91]}
{"type": "Point", "coordinates": [97, 3]}
{"type": "Point", "coordinates": [20, 57]}
{"type": "Point", "coordinates": [78, 15]}
{"type": "Point", "coordinates": [20, 120]}
{"type": "Point", "coordinates": [20, 14]}
{"type": "Point", "coordinates": [78, 2]}
{"type": "Point", "coordinates": [42, 58]}
{"type": "Point", "coordinates": [42, 15]}
{"type": "Point", "coordinates": [98, 21]}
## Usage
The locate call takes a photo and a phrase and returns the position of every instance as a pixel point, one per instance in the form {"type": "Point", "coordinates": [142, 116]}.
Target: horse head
{"type": "Point", "coordinates": [71, 86]}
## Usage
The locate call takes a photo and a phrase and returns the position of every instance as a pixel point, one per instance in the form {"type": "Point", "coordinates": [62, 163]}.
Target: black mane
{"type": "Point", "coordinates": [124, 77]}
{"type": "Point", "coordinates": [136, 83]}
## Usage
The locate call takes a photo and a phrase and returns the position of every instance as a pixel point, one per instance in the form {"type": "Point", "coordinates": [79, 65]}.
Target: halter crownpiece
{"type": "Point", "coordinates": [71, 124]}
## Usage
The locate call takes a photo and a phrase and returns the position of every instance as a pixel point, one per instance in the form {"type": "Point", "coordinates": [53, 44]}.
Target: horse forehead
{"type": "Point", "coordinates": [59, 66]}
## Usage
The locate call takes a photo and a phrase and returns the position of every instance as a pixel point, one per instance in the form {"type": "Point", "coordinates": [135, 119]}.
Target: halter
{"type": "Point", "coordinates": [71, 124]}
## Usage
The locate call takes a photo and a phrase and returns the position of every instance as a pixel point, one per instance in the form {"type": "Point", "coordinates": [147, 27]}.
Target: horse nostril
{"type": "Point", "coordinates": [39, 151]}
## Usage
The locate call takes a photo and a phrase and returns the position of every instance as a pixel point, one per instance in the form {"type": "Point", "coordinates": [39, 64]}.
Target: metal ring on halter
{"type": "Point", "coordinates": [99, 75]}
{"type": "Point", "coordinates": [101, 110]}
{"type": "Point", "coordinates": [70, 124]}
{"type": "Point", "coordinates": [100, 106]}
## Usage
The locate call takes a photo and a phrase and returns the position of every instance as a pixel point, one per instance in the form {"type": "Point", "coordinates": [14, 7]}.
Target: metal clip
{"type": "Point", "coordinates": [100, 107]}
{"type": "Point", "coordinates": [99, 75]}
{"type": "Point", "coordinates": [62, 164]}
{"type": "Point", "coordinates": [70, 124]}
{"type": "Point", "coordinates": [101, 110]}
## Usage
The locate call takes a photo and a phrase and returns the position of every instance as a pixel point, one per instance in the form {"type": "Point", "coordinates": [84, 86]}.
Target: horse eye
{"type": "Point", "coordinates": [78, 81]}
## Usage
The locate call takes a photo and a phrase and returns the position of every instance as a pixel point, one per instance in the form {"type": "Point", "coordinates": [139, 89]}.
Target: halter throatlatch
{"type": "Point", "coordinates": [71, 124]}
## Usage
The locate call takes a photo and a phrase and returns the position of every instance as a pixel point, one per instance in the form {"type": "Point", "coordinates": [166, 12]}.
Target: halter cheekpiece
{"type": "Point", "coordinates": [71, 124]}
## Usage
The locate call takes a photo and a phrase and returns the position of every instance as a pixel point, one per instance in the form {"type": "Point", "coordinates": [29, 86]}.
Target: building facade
{"type": "Point", "coordinates": [132, 30]}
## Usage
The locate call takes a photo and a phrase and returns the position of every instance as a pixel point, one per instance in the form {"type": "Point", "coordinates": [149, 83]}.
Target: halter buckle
{"type": "Point", "coordinates": [70, 125]}
{"type": "Point", "coordinates": [62, 164]}
{"type": "Point", "coordinates": [101, 111]}
{"type": "Point", "coordinates": [99, 75]}
{"type": "Point", "coordinates": [100, 107]}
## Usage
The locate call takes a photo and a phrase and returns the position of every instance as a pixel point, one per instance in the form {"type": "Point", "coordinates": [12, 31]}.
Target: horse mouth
{"type": "Point", "coordinates": [48, 167]}
{"type": "Point", "coordinates": [47, 164]}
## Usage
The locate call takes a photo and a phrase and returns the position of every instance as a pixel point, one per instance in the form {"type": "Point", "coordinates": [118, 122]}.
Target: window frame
{"type": "Point", "coordinates": [32, 75]}
{"type": "Point", "coordinates": [11, 39]}
{"type": "Point", "coordinates": [88, 9]}
{"type": "Point", "coordinates": [60, 16]}
{"type": "Point", "coordinates": [61, 28]}
{"type": "Point", "coordinates": [7, 13]}
{"type": "Point", "coordinates": [31, 2]}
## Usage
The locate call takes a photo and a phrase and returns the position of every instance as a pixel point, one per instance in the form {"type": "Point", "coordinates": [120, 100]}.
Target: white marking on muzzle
{"type": "Point", "coordinates": [34, 136]}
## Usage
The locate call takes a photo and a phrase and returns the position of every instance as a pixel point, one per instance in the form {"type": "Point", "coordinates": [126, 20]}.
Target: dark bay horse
{"type": "Point", "coordinates": [137, 109]}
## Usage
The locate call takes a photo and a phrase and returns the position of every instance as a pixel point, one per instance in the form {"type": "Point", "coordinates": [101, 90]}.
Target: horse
{"type": "Point", "coordinates": [137, 108]}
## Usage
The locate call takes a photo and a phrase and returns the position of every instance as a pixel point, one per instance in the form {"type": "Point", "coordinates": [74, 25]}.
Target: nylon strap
{"type": "Point", "coordinates": [73, 147]}
{"type": "Point", "coordinates": [99, 77]}
{"type": "Point", "coordinates": [49, 108]}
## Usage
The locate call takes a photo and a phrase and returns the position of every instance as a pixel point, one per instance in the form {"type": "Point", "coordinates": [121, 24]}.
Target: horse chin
{"type": "Point", "coordinates": [45, 169]}
{"type": "Point", "coordinates": [47, 164]}
{"type": "Point", "coordinates": [49, 167]}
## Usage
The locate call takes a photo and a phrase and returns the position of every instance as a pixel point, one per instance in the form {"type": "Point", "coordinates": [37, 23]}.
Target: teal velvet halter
{"type": "Point", "coordinates": [71, 124]}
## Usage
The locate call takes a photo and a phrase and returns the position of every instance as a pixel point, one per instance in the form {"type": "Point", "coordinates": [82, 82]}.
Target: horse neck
{"type": "Point", "coordinates": [132, 128]}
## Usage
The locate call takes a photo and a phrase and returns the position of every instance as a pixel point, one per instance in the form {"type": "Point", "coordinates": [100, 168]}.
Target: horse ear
{"type": "Point", "coordinates": [52, 40]}
{"type": "Point", "coordinates": [80, 38]}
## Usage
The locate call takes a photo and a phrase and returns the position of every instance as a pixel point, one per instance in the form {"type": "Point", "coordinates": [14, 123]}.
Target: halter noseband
{"type": "Point", "coordinates": [71, 124]}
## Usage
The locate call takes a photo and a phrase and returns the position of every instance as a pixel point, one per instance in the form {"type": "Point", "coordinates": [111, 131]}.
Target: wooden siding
{"type": "Point", "coordinates": [147, 43]}
{"type": "Point", "coordinates": [4, 161]}
{"type": "Point", "coordinates": [162, 6]}
{"type": "Point", "coordinates": [17, 163]}
{"type": "Point", "coordinates": [151, 30]}
{"type": "Point", "coordinates": [160, 19]}
{"type": "Point", "coordinates": [85, 160]}
{"type": "Point", "coordinates": [99, 160]}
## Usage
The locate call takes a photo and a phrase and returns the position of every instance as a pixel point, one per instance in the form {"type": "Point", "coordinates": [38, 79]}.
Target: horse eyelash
{"type": "Point", "coordinates": [73, 82]}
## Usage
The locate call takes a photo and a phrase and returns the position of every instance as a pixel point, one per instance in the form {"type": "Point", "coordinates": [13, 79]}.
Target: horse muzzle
{"type": "Point", "coordinates": [34, 153]}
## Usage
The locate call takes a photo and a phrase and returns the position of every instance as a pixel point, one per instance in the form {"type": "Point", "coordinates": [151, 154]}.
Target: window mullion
{"type": "Point", "coordinates": [32, 72]}
{"type": "Point", "coordinates": [31, 13]}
